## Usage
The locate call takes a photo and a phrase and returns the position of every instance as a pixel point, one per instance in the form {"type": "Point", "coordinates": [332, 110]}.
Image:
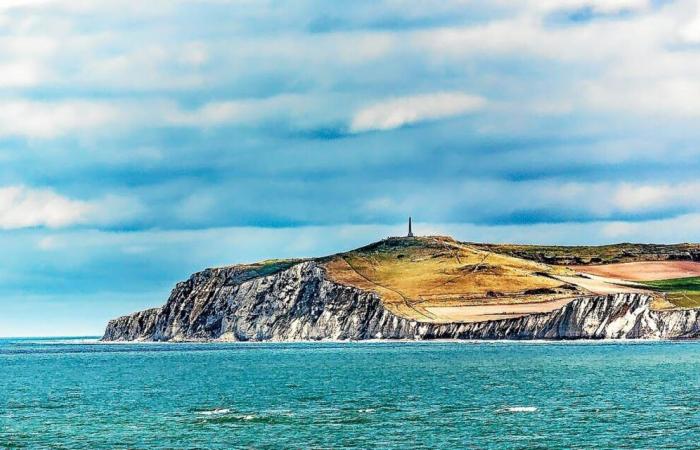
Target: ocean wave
{"type": "Point", "coordinates": [519, 409]}
{"type": "Point", "coordinates": [58, 341]}
{"type": "Point", "coordinates": [226, 416]}
{"type": "Point", "coordinates": [214, 412]}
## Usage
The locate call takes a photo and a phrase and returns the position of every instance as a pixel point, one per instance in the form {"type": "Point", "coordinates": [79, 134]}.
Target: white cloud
{"type": "Point", "coordinates": [397, 112]}
{"type": "Point", "coordinates": [10, 4]}
{"type": "Point", "coordinates": [49, 243]}
{"type": "Point", "coordinates": [689, 30]}
{"type": "Point", "coordinates": [629, 197]}
{"type": "Point", "coordinates": [615, 230]}
{"type": "Point", "coordinates": [19, 74]}
{"type": "Point", "coordinates": [634, 198]}
{"type": "Point", "coordinates": [609, 199]}
{"type": "Point", "coordinates": [21, 207]}
{"type": "Point", "coordinates": [299, 108]}
{"type": "Point", "coordinates": [209, 114]}
{"type": "Point", "coordinates": [614, 6]}
{"type": "Point", "coordinates": [669, 96]}
{"type": "Point", "coordinates": [194, 54]}
{"type": "Point", "coordinates": [24, 207]}
{"type": "Point", "coordinates": [606, 199]}
{"type": "Point", "coordinates": [618, 76]}
{"type": "Point", "coordinates": [114, 209]}
{"type": "Point", "coordinates": [51, 119]}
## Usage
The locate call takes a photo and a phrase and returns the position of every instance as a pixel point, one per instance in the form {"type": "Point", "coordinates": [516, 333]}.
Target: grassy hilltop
{"type": "Point", "coordinates": [438, 279]}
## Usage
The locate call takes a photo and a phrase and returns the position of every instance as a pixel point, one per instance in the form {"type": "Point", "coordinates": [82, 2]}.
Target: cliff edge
{"type": "Point", "coordinates": [299, 301]}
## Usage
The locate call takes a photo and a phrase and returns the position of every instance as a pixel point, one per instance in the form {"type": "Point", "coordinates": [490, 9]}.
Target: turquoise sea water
{"type": "Point", "coordinates": [73, 394]}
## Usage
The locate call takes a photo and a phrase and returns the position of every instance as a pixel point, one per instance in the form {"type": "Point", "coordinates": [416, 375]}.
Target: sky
{"type": "Point", "coordinates": [142, 141]}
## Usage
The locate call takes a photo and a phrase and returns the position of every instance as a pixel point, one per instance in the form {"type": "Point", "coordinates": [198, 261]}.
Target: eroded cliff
{"type": "Point", "coordinates": [300, 302]}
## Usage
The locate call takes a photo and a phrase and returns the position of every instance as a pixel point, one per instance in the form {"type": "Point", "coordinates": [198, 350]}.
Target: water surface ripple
{"type": "Point", "coordinates": [79, 394]}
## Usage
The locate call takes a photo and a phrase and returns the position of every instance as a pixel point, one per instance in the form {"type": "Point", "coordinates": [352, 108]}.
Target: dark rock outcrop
{"type": "Point", "coordinates": [301, 303]}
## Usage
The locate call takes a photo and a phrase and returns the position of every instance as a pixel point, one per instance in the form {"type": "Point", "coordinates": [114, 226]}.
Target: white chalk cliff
{"type": "Point", "coordinates": [300, 302]}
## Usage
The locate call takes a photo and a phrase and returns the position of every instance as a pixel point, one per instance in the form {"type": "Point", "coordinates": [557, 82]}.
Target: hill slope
{"type": "Point", "coordinates": [437, 279]}
{"type": "Point", "coordinates": [425, 287]}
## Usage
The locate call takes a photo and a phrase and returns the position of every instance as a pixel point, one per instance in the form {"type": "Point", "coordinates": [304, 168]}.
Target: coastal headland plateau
{"type": "Point", "coordinates": [435, 287]}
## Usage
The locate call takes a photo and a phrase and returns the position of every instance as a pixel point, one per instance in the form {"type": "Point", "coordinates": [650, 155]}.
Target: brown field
{"type": "Point", "coordinates": [436, 279]}
{"type": "Point", "coordinates": [644, 271]}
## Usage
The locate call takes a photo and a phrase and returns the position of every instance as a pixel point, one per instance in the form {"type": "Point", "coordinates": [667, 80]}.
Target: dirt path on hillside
{"type": "Point", "coordinates": [603, 285]}
{"type": "Point", "coordinates": [481, 313]}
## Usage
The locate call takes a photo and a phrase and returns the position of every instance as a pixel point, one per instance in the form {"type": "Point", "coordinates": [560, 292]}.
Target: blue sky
{"type": "Point", "coordinates": [142, 141]}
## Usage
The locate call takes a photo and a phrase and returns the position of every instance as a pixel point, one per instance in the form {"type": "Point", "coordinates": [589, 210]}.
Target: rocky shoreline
{"type": "Point", "coordinates": [300, 303]}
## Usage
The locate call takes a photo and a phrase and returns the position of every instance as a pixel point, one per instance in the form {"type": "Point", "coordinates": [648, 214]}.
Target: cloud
{"type": "Point", "coordinates": [397, 112]}
{"type": "Point", "coordinates": [689, 32]}
{"type": "Point", "coordinates": [51, 119]}
{"type": "Point", "coordinates": [21, 207]}
{"type": "Point", "coordinates": [669, 97]}
{"type": "Point", "coordinates": [24, 207]}
{"type": "Point", "coordinates": [113, 210]}
{"type": "Point", "coordinates": [194, 54]}
{"type": "Point", "coordinates": [19, 74]}
{"type": "Point", "coordinates": [614, 6]}
{"type": "Point", "coordinates": [629, 197]}
{"type": "Point", "coordinates": [596, 6]}
{"type": "Point", "coordinates": [618, 230]}
{"type": "Point", "coordinates": [299, 110]}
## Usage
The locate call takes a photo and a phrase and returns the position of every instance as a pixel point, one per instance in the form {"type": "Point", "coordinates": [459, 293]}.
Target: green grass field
{"type": "Point", "coordinates": [683, 292]}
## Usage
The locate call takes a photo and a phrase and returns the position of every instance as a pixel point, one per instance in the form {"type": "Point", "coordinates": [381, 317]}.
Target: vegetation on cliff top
{"type": "Point", "coordinates": [245, 272]}
{"type": "Point", "coordinates": [683, 292]}
{"type": "Point", "coordinates": [602, 254]}
{"type": "Point", "coordinates": [438, 279]}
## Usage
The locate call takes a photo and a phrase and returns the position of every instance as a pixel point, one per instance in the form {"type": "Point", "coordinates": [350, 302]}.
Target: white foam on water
{"type": "Point", "coordinates": [367, 410]}
{"type": "Point", "coordinates": [214, 412]}
{"type": "Point", "coordinates": [520, 409]}
{"type": "Point", "coordinates": [64, 341]}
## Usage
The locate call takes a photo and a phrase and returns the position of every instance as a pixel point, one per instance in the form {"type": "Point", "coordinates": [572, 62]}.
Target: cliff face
{"type": "Point", "coordinates": [301, 303]}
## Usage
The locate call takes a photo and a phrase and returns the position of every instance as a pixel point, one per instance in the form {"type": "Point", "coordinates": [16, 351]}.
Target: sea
{"type": "Point", "coordinates": [78, 393]}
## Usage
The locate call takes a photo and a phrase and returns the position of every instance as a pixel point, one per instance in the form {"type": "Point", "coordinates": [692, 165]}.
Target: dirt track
{"type": "Point", "coordinates": [644, 271]}
{"type": "Point", "coordinates": [480, 313]}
